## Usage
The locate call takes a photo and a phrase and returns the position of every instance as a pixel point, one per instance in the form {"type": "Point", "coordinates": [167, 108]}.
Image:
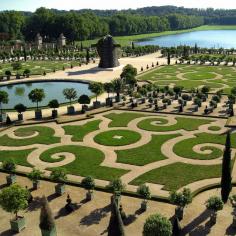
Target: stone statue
{"type": "Point", "coordinates": [108, 51]}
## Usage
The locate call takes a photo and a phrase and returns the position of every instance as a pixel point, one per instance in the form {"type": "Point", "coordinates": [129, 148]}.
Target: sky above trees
{"type": "Point", "coordinates": [31, 5]}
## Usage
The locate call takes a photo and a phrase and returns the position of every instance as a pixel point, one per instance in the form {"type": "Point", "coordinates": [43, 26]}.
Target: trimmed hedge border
{"type": "Point", "coordinates": [171, 113]}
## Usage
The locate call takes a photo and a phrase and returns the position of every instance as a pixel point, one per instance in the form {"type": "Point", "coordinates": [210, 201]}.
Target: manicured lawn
{"type": "Point", "coordinates": [117, 137]}
{"type": "Point", "coordinates": [214, 128]}
{"type": "Point", "coordinates": [151, 152]}
{"type": "Point", "coordinates": [45, 136]}
{"type": "Point", "coordinates": [195, 76]}
{"type": "Point", "coordinates": [177, 175]}
{"type": "Point", "coordinates": [79, 131]}
{"type": "Point", "coordinates": [188, 124]}
{"type": "Point", "coordinates": [19, 156]}
{"type": "Point", "coordinates": [122, 119]}
{"type": "Point", "coordinates": [38, 67]}
{"type": "Point", "coordinates": [185, 147]}
{"type": "Point", "coordinates": [199, 76]}
{"type": "Point", "coordinates": [87, 162]}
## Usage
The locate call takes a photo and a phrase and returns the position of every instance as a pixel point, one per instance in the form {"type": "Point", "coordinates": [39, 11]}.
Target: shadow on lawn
{"type": "Point", "coordinates": [8, 233]}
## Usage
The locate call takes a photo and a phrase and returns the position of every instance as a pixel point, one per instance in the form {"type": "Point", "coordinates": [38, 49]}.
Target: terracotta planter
{"type": "Point", "coordinates": [18, 224]}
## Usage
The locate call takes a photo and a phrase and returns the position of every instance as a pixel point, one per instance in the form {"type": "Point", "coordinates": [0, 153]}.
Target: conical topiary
{"type": "Point", "coordinates": [46, 218]}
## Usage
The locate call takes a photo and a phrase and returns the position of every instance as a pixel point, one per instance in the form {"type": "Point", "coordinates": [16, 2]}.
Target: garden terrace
{"type": "Point", "coordinates": [138, 147]}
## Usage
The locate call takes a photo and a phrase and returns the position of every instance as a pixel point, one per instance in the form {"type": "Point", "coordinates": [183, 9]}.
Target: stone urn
{"type": "Point", "coordinates": [36, 184]}
{"type": "Point", "coordinates": [144, 205]}
{"type": "Point", "coordinates": [20, 117]}
{"type": "Point", "coordinates": [89, 195]}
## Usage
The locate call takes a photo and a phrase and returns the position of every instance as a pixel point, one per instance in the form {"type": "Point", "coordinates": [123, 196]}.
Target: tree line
{"type": "Point", "coordinates": [90, 24]}
{"type": "Point", "coordinates": [87, 25]}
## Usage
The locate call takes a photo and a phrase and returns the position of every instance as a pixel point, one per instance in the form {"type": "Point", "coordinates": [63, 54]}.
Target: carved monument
{"type": "Point", "coordinates": [108, 51]}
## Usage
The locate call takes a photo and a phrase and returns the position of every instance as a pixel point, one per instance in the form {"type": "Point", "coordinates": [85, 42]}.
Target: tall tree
{"type": "Point", "coordinates": [226, 178]}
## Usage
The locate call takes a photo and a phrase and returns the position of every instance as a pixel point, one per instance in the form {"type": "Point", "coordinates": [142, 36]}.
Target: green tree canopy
{"type": "Point", "coordinates": [14, 198]}
{"type": "Point", "coordinates": [36, 96]}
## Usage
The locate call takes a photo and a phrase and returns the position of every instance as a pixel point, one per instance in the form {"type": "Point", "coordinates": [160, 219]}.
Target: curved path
{"type": "Point", "coordinates": [110, 159]}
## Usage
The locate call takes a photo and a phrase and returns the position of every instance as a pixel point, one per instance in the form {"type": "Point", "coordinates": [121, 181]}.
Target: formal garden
{"type": "Point", "coordinates": [114, 145]}
{"type": "Point", "coordinates": [193, 76]}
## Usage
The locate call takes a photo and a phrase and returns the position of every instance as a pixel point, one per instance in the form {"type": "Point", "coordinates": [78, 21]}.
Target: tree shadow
{"type": "Point", "coordinates": [131, 218]}
{"type": "Point", "coordinates": [95, 216]}
{"type": "Point", "coordinates": [68, 209]}
{"type": "Point", "coordinates": [35, 204]}
{"type": "Point", "coordinates": [3, 186]}
{"type": "Point", "coordinates": [8, 233]}
{"type": "Point", "coordinates": [194, 225]}
{"type": "Point", "coordinates": [93, 70]}
{"type": "Point", "coordinates": [52, 197]}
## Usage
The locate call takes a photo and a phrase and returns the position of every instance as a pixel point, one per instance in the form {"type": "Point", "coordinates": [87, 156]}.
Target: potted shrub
{"type": "Point", "coordinates": [13, 199]}
{"type": "Point", "coordinates": [118, 86]}
{"type": "Point", "coordinates": [144, 192]}
{"type": "Point", "coordinates": [181, 200]}
{"type": "Point", "coordinates": [59, 175]}
{"type": "Point", "coordinates": [20, 108]}
{"type": "Point", "coordinates": [36, 96]}
{"type": "Point", "coordinates": [54, 104]}
{"type": "Point", "coordinates": [116, 186]}
{"type": "Point", "coordinates": [84, 100]}
{"type": "Point", "coordinates": [35, 175]}
{"type": "Point", "coordinates": [108, 87]}
{"type": "Point", "coordinates": [70, 94]}
{"type": "Point", "coordinates": [214, 204]}
{"type": "Point", "coordinates": [3, 100]}
{"type": "Point", "coordinates": [8, 74]}
{"type": "Point", "coordinates": [26, 73]}
{"type": "Point", "coordinates": [97, 89]}
{"type": "Point", "coordinates": [9, 166]}
{"type": "Point", "coordinates": [47, 223]}
{"type": "Point", "coordinates": [157, 225]}
{"type": "Point", "coordinates": [88, 183]}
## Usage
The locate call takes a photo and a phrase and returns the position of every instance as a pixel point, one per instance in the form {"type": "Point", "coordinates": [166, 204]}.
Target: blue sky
{"type": "Point", "coordinates": [31, 5]}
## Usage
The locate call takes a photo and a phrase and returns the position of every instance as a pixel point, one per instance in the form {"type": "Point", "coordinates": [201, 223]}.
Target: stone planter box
{"type": "Point", "coordinates": [70, 110]}
{"type": "Point", "coordinates": [38, 115]}
{"type": "Point", "coordinates": [11, 179]}
{"type": "Point", "coordinates": [54, 114]}
{"type": "Point", "coordinates": [20, 117]}
{"type": "Point", "coordinates": [18, 224]}
{"type": "Point", "coordinates": [118, 99]}
{"type": "Point", "coordinates": [109, 102]}
{"type": "Point", "coordinates": [144, 205]}
{"type": "Point", "coordinates": [89, 195]}
{"type": "Point", "coordinates": [36, 184]}
{"type": "Point", "coordinates": [51, 232]}
{"type": "Point", "coordinates": [96, 104]}
{"type": "Point", "coordinates": [60, 189]}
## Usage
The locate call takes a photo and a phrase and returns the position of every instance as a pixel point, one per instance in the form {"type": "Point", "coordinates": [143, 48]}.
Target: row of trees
{"type": "Point", "coordinates": [87, 25]}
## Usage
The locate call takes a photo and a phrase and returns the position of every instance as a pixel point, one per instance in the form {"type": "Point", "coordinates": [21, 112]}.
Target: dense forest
{"type": "Point", "coordinates": [89, 24]}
